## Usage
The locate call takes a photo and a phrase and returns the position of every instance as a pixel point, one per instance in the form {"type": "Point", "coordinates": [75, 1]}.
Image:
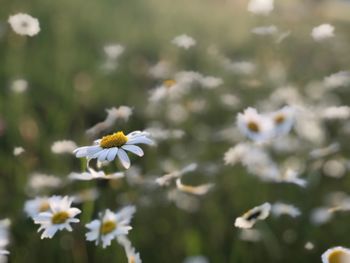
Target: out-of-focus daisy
{"type": "Point", "coordinates": [323, 152]}
{"type": "Point", "coordinates": [335, 168]}
{"type": "Point", "coordinates": [64, 146]}
{"type": "Point", "coordinates": [39, 181]}
{"type": "Point", "coordinates": [250, 235]}
{"type": "Point", "coordinates": [160, 134]}
{"type": "Point", "coordinates": [92, 174]}
{"type": "Point", "coordinates": [167, 178]}
{"type": "Point", "coordinates": [184, 41]}
{"type": "Point", "coordinates": [340, 113]}
{"type": "Point", "coordinates": [113, 51]}
{"type": "Point", "coordinates": [24, 24]}
{"type": "Point", "coordinates": [321, 215]}
{"type": "Point", "coordinates": [309, 245]}
{"type": "Point", "coordinates": [116, 144]}
{"type": "Point", "coordinates": [260, 7]}
{"type": "Point", "coordinates": [210, 82]}
{"type": "Point", "coordinates": [35, 206]}
{"type": "Point", "coordinates": [248, 219]}
{"type": "Point", "coordinates": [183, 201]}
{"type": "Point", "coordinates": [110, 226]}
{"type": "Point", "coordinates": [279, 209]}
{"type": "Point", "coordinates": [239, 67]}
{"type": "Point", "coordinates": [322, 32]}
{"type": "Point", "coordinates": [336, 255]}
{"type": "Point", "coordinates": [265, 30]}
{"type": "Point", "coordinates": [18, 151]}
{"type": "Point", "coordinates": [196, 190]}
{"type": "Point", "coordinates": [19, 85]}
{"type": "Point", "coordinates": [85, 195]}
{"type": "Point", "coordinates": [59, 217]}
{"type": "Point", "coordinates": [113, 115]}
{"type": "Point", "coordinates": [339, 79]}
{"type": "Point", "coordinates": [283, 120]}
{"type": "Point", "coordinates": [255, 126]}
{"type": "Point", "coordinates": [291, 176]}
{"type": "Point", "coordinates": [132, 255]}
{"type": "Point", "coordinates": [4, 238]}
{"type": "Point", "coordinates": [196, 259]}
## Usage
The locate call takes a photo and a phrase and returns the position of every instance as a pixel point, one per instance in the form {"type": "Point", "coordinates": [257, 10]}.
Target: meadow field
{"type": "Point", "coordinates": [222, 131]}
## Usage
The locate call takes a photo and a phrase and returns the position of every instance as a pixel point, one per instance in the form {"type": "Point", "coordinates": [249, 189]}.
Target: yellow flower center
{"type": "Point", "coordinates": [253, 126]}
{"type": "Point", "coordinates": [44, 206]}
{"type": "Point", "coordinates": [169, 83]}
{"type": "Point", "coordinates": [114, 140]}
{"type": "Point", "coordinates": [108, 227]}
{"type": "Point", "coordinates": [59, 218]}
{"type": "Point", "coordinates": [337, 256]}
{"type": "Point", "coordinates": [279, 119]}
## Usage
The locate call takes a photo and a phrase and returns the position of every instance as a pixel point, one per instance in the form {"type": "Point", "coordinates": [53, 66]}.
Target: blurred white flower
{"type": "Point", "coordinates": [113, 51]}
{"type": "Point", "coordinates": [24, 24]}
{"type": "Point", "coordinates": [160, 134]}
{"type": "Point", "coordinates": [335, 168]}
{"type": "Point", "coordinates": [210, 82]}
{"type": "Point", "coordinates": [309, 245]}
{"type": "Point", "coordinates": [35, 206]}
{"type": "Point", "coordinates": [161, 70]}
{"type": "Point", "coordinates": [279, 209]}
{"type": "Point", "coordinates": [184, 41]}
{"type": "Point", "coordinates": [291, 176]}
{"type": "Point", "coordinates": [64, 146]}
{"type": "Point", "coordinates": [86, 195]}
{"type": "Point", "coordinates": [321, 215]}
{"type": "Point", "coordinates": [4, 238]}
{"type": "Point", "coordinates": [19, 85]}
{"type": "Point", "coordinates": [336, 255]}
{"type": "Point", "coordinates": [39, 181]}
{"type": "Point", "coordinates": [196, 190]}
{"type": "Point", "coordinates": [339, 79]}
{"type": "Point", "coordinates": [248, 219]}
{"type": "Point", "coordinates": [132, 255]}
{"type": "Point", "coordinates": [260, 7]}
{"type": "Point", "coordinates": [196, 259]}
{"type": "Point", "coordinates": [92, 174]}
{"type": "Point", "coordinates": [254, 125]}
{"type": "Point", "coordinates": [167, 178]}
{"type": "Point", "coordinates": [240, 67]}
{"type": "Point", "coordinates": [322, 32]}
{"type": "Point", "coordinates": [340, 112]}
{"type": "Point", "coordinates": [18, 151]}
{"type": "Point", "coordinates": [265, 30]}
{"type": "Point", "coordinates": [110, 226]}
{"type": "Point", "coordinates": [250, 235]}
{"type": "Point", "coordinates": [59, 217]}
{"type": "Point", "coordinates": [116, 144]}
{"type": "Point", "coordinates": [283, 120]}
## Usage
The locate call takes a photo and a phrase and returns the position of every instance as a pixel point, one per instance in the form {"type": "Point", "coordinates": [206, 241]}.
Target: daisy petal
{"type": "Point", "coordinates": [134, 149]}
{"type": "Point", "coordinates": [124, 159]}
{"type": "Point", "coordinates": [112, 153]}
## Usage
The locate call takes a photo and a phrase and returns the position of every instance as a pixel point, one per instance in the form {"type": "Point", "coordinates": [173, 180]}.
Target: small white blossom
{"type": "Point", "coordinates": [64, 146]}
{"type": "Point", "coordinates": [196, 190]}
{"type": "Point", "coordinates": [36, 206]}
{"type": "Point", "coordinates": [113, 51]}
{"type": "Point", "coordinates": [18, 151]}
{"type": "Point", "coordinates": [260, 7]}
{"type": "Point", "coordinates": [184, 41]}
{"type": "Point", "coordinates": [279, 209]}
{"type": "Point", "coordinates": [92, 174]}
{"type": "Point", "coordinates": [24, 24]}
{"type": "Point", "coordinates": [59, 216]}
{"type": "Point", "coordinates": [322, 32]}
{"type": "Point", "coordinates": [19, 85]}
{"type": "Point", "coordinates": [339, 79]}
{"type": "Point", "coordinates": [265, 30]}
{"type": "Point", "coordinates": [248, 219]}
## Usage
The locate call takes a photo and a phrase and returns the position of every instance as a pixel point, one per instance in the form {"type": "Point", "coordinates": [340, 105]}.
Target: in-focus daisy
{"type": "Point", "coordinates": [254, 125]}
{"type": "Point", "coordinates": [260, 7]}
{"type": "Point", "coordinates": [283, 120]}
{"type": "Point", "coordinates": [116, 144]}
{"type": "Point", "coordinates": [336, 255]}
{"type": "Point", "coordinates": [58, 217]}
{"type": "Point", "coordinates": [92, 174]}
{"type": "Point", "coordinates": [248, 219]}
{"type": "Point", "coordinates": [24, 24]}
{"type": "Point", "coordinates": [184, 41]}
{"type": "Point", "coordinates": [110, 226]}
{"type": "Point", "coordinates": [36, 206]}
{"type": "Point", "coordinates": [64, 146]}
{"type": "Point", "coordinates": [322, 32]}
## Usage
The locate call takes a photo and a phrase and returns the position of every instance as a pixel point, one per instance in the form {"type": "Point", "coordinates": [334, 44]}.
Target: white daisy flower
{"type": "Point", "coordinates": [321, 215]}
{"type": "Point", "coordinates": [336, 112]}
{"type": "Point", "coordinates": [210, 82]}
{"type": "Point", "coordinates": [64, 146]}
{"type": "Point", "coordinates": [92, 174]}
{"type": "Point", "coordinates": [260, 7]}
{"type": "Point", "coordinates": [59, 217]}
{"type": "Point", "coordinates": [40, 181]}
{"type": "Point", "coordinates": [110, 226]}
{"type": "Point", "coordinates": [36, 206]}
{"type": "Point", "coordinates": [279, 209]}
{"type": "Point", "coordinates": [322, 32]}
{"type": "Point", "coordinates": [18, 151]}
{"type": "Point", "coordinates": [196, 190]}
{"type": "Point", "coordinates": [291, 176]}
{"type": "Point", "coordinates": [336, 255]}
{"type": "Point", "coordinates": [113, 51]}
{"type": "Point", "coordinates": [248, 219]}
{"type": "Point", "coordinates": [86, 195]}
{"type": "Point", "coordinates": [132, 255]}
{"type": "Point", "coordinates": [339, 79]}
{"type": "Point", "coordinates": [167, 178]}
{"type": "Point", "coordinates": [24, 24]}
{"type": "Point", "coordinates": [255, 126]}
{"type": "Point", "coordinates": [19, 85]}
{"type": "Point", "coordinates": [283, 120]}
{"type": "Point", "coordinates": [110, 146]}
{"type": "Point", "coordinates": [184, 41]}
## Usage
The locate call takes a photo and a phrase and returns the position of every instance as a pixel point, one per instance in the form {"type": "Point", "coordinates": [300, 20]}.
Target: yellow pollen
{"type": "Point", "coordinates": [114, 140]}
{"type": "Point", "coordinates": [279, 119]}
{"type": "Point", "coordinates": [253, 126]}
{"type": "Point", "coordinates": [337, 256]}
{"type": "Point", "coordinates": [108, 227]}
{"type": "Point", "coordinates": [59, 218]}
{"type": "Point", "coordinates": [169, 83]}
{"type": "Point", "coordinates": [44, 206]}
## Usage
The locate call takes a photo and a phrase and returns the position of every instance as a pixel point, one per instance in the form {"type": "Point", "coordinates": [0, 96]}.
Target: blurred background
{"type": "Point", "coordinates": [70, 82]}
